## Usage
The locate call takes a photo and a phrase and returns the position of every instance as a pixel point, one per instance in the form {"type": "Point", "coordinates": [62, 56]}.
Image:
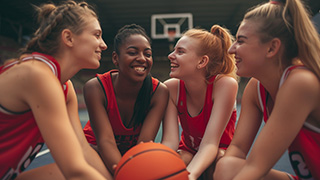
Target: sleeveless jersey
{"type": "Point", "coordinates": [193, 128]}
{"type": "Point", "coordinates": [125, 137]}
{"type": "Point", "coordinates": [304, 151]}
{"type": "Point", "coordinates": [20, 138]}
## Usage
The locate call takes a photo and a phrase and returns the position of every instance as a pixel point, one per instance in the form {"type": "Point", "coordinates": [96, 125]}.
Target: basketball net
{"type": "Point", "coordinates": [171, 38]}
{"type": "Point", "coordinates": [171, 35]}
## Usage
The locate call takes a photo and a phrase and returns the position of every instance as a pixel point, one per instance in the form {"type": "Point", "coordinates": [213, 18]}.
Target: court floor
{"type": "Point", "coordinates": [44, 156]}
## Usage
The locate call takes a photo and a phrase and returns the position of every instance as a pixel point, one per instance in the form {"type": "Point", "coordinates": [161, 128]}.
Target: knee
{"type": "Point", "coordinates": [224, 167]}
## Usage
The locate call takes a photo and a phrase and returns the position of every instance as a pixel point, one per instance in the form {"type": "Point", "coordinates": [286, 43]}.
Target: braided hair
{"type": "Point", "coordinates": [53, 20]}
{"type": "Point", "coordinates": [142, 103]}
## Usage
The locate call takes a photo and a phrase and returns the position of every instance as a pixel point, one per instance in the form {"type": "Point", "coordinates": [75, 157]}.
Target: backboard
{"type": "Point", "coordinates": [170, 26]}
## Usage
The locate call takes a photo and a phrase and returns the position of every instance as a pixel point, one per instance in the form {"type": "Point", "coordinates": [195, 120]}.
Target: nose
{"type": "Point", "coordinates": [171, 56]}
{"type": "Point", "coordinates": [103, 45]}
{"type": "Point", "coordinates": [232, 49]}
{"type": "Point", "coordinates": [141, 58]}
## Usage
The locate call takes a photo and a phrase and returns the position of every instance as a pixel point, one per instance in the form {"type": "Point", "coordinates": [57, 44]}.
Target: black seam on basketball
{"type": "Point", "coordinates": [173, 174]}
{"type": "Point", "coordinates": [142, 153]}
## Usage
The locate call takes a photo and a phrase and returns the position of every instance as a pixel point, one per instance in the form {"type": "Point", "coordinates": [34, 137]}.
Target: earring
{"type": "Point", "coordinates": [198, 66]}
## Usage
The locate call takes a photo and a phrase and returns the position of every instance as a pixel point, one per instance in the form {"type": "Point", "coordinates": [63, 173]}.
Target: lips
{"type": "Point", "coordinates": [139, 68]}
{"type": "Point", "coordinates": [174, 65]}
{"type": "Point", "coordinates": [238, 60]}
{"type": "Point", "coordinates": [99, 54]}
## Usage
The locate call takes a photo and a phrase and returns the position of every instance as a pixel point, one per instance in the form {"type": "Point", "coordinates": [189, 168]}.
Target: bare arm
{"type": "Point", "coordinates": [301, 88]}
{"type": "Point", "coordinates": [248, 124]}
{"type": "Point", "coordinates": [224, 95]}
{"type": "Point", "coordinates": [92, 157]}
{"type": "Point", "coordinates": [170, 134]}
{"type": "Point", "coordinates": [155, 115]}
{"type": "Point", "coordinates": [95, 101]}
{"type": "Point", "coordinates": [43, 93]}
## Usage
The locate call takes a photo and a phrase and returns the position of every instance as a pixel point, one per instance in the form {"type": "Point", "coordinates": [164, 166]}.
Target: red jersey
{"type": "Point", "coordinates": [304, 151]}
{"type": "Point", "coordinates": [125, 137]}
{"type": "Point", "coordinates": [193, 128]}
{"type": "Point", "coordinates": [20, 138]}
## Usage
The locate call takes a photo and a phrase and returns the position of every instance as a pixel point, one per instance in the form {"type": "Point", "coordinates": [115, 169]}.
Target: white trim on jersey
{"type": "Point", "coordinates": [51, 65]}
{"type": "Point", "coordinates": [178, 93]}
{"type": "Point", "coordinates": [45, 60]}
{"type": "Point", "coordinates": [312, 127]}
{"type": "Point", "coordinates": [259, 97]}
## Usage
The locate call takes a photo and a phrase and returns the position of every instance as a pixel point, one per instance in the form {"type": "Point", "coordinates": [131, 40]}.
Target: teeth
{"type": "Point", "coordinates": [139, 69]}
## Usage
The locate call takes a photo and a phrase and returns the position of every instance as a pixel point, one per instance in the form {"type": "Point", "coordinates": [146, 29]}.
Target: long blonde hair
{"type": "Point", "coordinates": [289, 21]}
{"type": "Point", "coordinates": [215, 45]}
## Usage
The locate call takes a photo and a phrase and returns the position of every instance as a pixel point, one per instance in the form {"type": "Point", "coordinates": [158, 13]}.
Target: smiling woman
{"type": "Point", "coordinates": [203, 90]}
{"type": "Point", "coordinates": [37, 100]}
{"type": "Point", "coordinates": [125, 105]}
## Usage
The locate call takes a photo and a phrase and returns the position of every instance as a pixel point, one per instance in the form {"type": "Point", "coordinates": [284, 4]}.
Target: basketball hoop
{"type": "Point", "coordinates": [171, 35]}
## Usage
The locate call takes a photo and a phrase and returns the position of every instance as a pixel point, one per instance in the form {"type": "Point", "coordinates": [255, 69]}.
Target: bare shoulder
{"type": "Point", "coordinates": [302, 83]}
{"type": "Point", "coordinates": [250, 94]}
{"type": "Point", "coordinates": [92, 90]}
{"type": "Point", "coordinates": [303, 78]}
{"type": "Point", "coordinates": [32, 76]}
{"type": "Point", "coordinates": [162, 89]}
{"type": "Point", "coordinates": [225, 82]}
{"type": "Point", "coordinates": [91, 85]}
{"type": "Point", "coordinates": [172, 83]}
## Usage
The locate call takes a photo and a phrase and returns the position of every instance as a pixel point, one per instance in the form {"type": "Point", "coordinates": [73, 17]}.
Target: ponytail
{"type": "Point", "coordinates": [306, 35]}
{"type": "Point", "coordinates": [215, 45]}
{"type": "Point", "coordinates": [289, 21]}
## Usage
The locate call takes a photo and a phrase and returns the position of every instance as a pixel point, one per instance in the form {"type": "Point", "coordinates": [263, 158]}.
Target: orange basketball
{"type": "Point", "coordinates": [147, 161]}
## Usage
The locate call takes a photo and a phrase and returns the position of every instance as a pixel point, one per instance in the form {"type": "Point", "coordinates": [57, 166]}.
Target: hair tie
{"type": "Point", "coordinates": [276, 2]}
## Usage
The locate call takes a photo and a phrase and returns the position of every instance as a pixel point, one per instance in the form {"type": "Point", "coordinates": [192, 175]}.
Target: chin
{"type": "Point", "coordinates": [94, 66]}
{"type": "Point", "coordinates": [171, 75]}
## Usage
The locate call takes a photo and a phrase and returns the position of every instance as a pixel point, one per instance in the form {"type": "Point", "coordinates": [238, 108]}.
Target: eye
{"type": "Point", "coordinates": [97, 35]}
{"type": "Point", "coordinates": [132, 53]}
{"type": "Point", "coordinates": [148, 53]}
{"type": "Point", "coordinates": [240, 40]}
{"type": "Point", "coordinates": [180, 52]}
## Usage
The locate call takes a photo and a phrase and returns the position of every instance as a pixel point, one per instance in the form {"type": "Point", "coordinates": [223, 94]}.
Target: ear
{"type": "Point", "coordinates": [67, 37]}
{"type": "Point", "coordinates": [115, 58]}
{"type": "Point", "coordinates": [274, 47]}
{"type": "Point", "coordinates": [203, 61]}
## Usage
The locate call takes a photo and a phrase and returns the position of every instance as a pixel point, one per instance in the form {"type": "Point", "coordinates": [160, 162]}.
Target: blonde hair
{"type": "Point", "coordinates": [289, 21]}
{"type": "Point", "coordinates": [215, 45]}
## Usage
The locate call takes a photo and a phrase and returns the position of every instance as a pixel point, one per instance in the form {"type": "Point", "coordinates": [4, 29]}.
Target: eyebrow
{"type": "Point", "coordinates": [241, 36]}
{"type": "Point", "coordinates": [134, 47]}
{"type": "Point", "coordinates": [180, 48]}
{"type": "Point", "coordinates": [97, 31]}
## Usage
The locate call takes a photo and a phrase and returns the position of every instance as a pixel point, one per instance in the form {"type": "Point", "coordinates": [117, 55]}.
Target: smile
{"type": "Point", "coordinates": [173, 65]}
{"type": "Point", "coordinates": [139, 68]}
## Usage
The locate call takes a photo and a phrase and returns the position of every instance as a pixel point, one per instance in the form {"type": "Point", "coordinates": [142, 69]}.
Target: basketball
{"type": "Point", "coordinates": [148, 161]}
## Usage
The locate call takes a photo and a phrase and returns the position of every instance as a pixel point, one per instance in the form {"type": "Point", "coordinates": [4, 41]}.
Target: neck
{"type": "Point", "coordinates": [67, 66]}
{"type": "Point", "coordinates": [196, 85]}
{"type": "Point", "coordinates": [271, 83]}
{"type": "Point", "coordinates": [124, 87]}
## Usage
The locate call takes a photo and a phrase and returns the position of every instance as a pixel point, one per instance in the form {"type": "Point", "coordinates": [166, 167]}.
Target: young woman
{"type": "Point", "coordinates": [203, 89]}
{"type": "Point", "coordinates": [279, 47]}
{"type": "Point", "coordinates": [38, 102]}
{"type": "Point", "coordinates": [125, 105]}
